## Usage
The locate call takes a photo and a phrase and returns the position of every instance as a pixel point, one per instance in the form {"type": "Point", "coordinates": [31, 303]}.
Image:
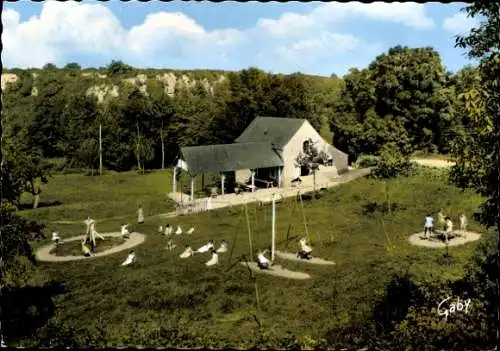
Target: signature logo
{"type": "Point", "coordinates": [453, 307]}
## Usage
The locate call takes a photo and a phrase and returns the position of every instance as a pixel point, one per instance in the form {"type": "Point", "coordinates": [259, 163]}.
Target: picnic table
{"type": "Point", "coordinates": [267, 184]}
{"type": "Point", "coordinates": [247, 187]}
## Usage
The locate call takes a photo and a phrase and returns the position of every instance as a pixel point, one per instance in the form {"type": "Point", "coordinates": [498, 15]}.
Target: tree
{"type": "Point", "coordinates": [47, 132]}
{"type": "Point", "coordinates": [118, 67]}
{"type": "Point", "coordinates": [161, 110]}
{"type": "Point", "coordinates": [49, 66]}
{"type": "Point", "coordinates": [405, 90]}
{"type": "Point", "coordinates": [392, 163]}
{"type": "Point", "coordinates": [80, 116]}
{"type": "Point", "coordinates": [311, 158]}
{"type": "Point", "coordinates": [292, 98]}
{"type": "Point", "coordinates": [73, 66]}
{"type": "Point", "coordinates": [250, 96]}
{"type": "Point", "coordinates": [138, 121]}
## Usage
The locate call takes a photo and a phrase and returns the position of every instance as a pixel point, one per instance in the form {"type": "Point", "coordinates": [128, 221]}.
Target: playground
{"type": "Point", "coordinates": [355, 253]}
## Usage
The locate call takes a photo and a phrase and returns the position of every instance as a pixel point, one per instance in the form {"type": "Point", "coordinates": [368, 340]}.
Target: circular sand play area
{"type": "Point", "coordinates": [47, 253]}
{"type": "Point", "coordinates": [463, 237]}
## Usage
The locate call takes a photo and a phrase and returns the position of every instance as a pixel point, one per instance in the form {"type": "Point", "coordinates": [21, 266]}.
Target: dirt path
{"type": "Point", "coordinates": [467, 237]}
{"type": "Point", "coordinates": [433, 162]}
{"type": "Point", "coordinates": [293, 257]}
{"type": "Point", "coordinates": [278, 271]}
{"type": "Point", "coordinates": [44, 253]}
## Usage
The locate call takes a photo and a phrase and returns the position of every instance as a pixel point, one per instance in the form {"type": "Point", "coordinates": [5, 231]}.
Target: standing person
{"type": "Point", "coordinates": [87, 222]}
{"type": "Point", "coordinates": [428, 226]}
{"type": "Point", "coordinates": [463, 222]}
{"type": "Point", "coordinates": [448, 228]}
{"type": "Point", "coordinates": [140, 215]}
{"type": "Point", "coordinates": [441, 219]}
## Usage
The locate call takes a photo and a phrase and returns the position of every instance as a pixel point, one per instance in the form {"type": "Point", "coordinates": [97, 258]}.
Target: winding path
{"type": "Point", "coordinates": [44, 253]}
{"type": "Point", "coordinates": [433, 162]}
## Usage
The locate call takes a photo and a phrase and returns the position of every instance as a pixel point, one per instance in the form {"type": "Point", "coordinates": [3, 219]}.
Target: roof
{"type": "Point", "coordinates": [230, 157]}
{"type": "Point", "coordinates": [274, 130]}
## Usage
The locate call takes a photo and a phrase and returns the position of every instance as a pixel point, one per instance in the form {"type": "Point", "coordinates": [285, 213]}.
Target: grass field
{"type": "Point", "coordinates": [165, 301]}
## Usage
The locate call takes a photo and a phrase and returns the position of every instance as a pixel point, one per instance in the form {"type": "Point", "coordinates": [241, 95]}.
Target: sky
{"type": "Point", "coordinates": [313, 38]}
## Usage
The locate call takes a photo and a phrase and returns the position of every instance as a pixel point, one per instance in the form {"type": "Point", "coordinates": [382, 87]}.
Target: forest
{"type": "Point", "coordinates": [405, 101]}
{"type": "Point", "coordinates": [404, 97]}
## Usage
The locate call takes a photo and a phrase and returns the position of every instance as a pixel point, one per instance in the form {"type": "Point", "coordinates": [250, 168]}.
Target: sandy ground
{"type": "Point", "coordinates": [261, 195]}
{"type": "Point", "coordinates": [43, 254]}
{"type": "Point", "coordinates": [277, 271]}
{"type": "Point", "coordinates": [293, 257]}
{"type": "Point", "coordinates": [417, 239]}
{"type": "Point", "coordinates": [433, 162]}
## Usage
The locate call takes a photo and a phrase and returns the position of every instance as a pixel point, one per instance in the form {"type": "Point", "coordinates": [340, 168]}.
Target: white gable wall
{"type": "Point", "coordinates": [294, 147]}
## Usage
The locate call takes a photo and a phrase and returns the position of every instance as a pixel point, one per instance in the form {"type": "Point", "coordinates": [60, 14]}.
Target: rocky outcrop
{"type": "Point", "coordinates": [8, 78]}
{"type": "Point", "coordinates": [103, 91]}
{"type": "Point", "coordinates": [169, 80]}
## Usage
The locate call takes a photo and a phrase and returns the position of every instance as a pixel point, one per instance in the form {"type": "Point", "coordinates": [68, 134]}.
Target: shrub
{"type": "Point", "coordinates": [392, 163]}
{"type": "Point", "coordinates": [365, 161]}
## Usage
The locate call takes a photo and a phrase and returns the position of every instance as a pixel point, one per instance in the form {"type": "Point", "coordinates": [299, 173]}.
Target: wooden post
{"type": "Point", "coordinates": [192, 188]}
{"type": "Point", "coordinates": [222, 178]}
{"type": "Point", "coordinates": [303, 215]}
{"type": "Point", "coordinates": [100, 149]}
{"type": "Point", "coordinates": [253, 180]}
{"type": "Point", "coordinates": [249, 233]}
{"type": "Point", "coordinates": [273, 233]}
{"type": "Point", "coordinates": [175, 180]}
{"type": "Point", "coordinates": [279, 177]}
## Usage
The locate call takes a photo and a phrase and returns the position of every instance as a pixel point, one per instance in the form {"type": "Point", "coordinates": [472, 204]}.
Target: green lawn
{"type": "Point", "coordinates": [114, 196]}
{"type": "Point", "coordinates": [165, 301]}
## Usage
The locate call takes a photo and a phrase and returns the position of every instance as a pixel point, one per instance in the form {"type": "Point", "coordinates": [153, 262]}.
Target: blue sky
{"type": "Point", "coordinates": [315, 38]}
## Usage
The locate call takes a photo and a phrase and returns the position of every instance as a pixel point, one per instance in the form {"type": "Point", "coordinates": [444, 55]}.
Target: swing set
{"type": "Point", "coordinates": [248, 261]}
{"type": "Point", "coordinates": [276, 270]}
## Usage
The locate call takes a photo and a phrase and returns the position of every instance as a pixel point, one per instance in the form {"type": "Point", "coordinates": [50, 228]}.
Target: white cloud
{"type": "Point", "coordinates": [408, 14]}
{"type": "Point", "coordinates": [459, 23]}
{"type": "Point", "coordinates": [292, 42]}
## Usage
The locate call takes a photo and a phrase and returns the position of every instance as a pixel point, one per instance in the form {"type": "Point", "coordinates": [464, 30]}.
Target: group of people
{"type": "Point", "coordinates": [208, 247]}
{"type": "Point", "coordinates": [91, 233]}
{"type": "Point", "coordinates": [444, 222]}
{"type": "Point", "coordinates": [168, 230]}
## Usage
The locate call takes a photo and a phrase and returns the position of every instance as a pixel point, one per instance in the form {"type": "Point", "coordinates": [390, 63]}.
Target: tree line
{"type": "Point", "coordinates": [404, 97]}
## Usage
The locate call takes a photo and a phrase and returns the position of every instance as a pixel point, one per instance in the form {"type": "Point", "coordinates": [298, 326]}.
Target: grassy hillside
{"type": "Point", "coordinates": [169, 302]}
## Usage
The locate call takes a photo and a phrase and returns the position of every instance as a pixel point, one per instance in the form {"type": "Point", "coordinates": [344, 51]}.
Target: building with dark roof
{"type": "Point", "coordinates": [265, 153]}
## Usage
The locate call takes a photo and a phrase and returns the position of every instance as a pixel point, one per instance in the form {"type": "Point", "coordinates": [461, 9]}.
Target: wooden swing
{"type": "Point", "coordinates": [293, 257]}
{"type": "Point", "coordinates": [275, 270]}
